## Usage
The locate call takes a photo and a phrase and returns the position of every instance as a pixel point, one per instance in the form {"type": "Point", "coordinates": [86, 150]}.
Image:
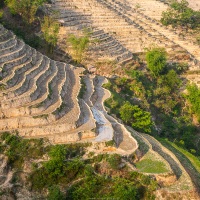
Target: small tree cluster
{"type": "Point", "coordinates": [179, 14]}
{"type": "Point", "coordinates": [25, 8]}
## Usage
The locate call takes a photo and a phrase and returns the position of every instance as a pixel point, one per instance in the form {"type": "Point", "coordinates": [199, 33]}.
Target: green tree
{"type": "Point", "coordinates": [139, 119]}
{"type": "Point", "coordinates": [156, 60]}
{"type": "Point", "coordinates": [25, 8]}
{"type": "Point", "coordinates": [58, 152]}
{"type": "Point", "coordinates": [50, 29]}
{"type": "Point", "coordinates": [126, 112]}
{"type": "Point", "coordinates": [170, 80]}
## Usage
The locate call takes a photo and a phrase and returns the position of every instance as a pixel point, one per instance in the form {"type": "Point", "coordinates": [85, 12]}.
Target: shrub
{"type": "Point", "coordinates": [50, 30]}
{"type": "Point", "coordinates": [139, 119]}
{"type": "Point", "coordinates": [156, 60]}
{"type": "Point", "coordinates": [193, 97]}
{"type": "Point", "coordinates": [18, 149]}
{"type": "Point", "coordinates": [179, 14]}
{"type": "Point", "coordinates": [114, 160]}
{"type": "Point", "coordinates": [79, 46]}
{"type": "Point", "coordinates": [1, 14]}
{"type": "Point", "coordinates": [54, 193]}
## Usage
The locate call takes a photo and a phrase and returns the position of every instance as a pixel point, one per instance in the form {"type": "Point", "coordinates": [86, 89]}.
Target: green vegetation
{"type": "Point", "coordinates": [189, 161]}
{"type": "Point", "coordinates": [83, 89]}
{"type": "Point", "coordinates": [193, 159]}
{"type": "Point", "coordinates": [150, 164]}
{"type": "Point", "coordinates": [193, 97]}
{"type": "Point", "coordinates": [20, 17]}
{"type": "Point", "coordinates": [156, 60]}
{"type": "Point", "coordinates": [110, 143]}
{"type": "Point", "coordinates": [55, 193]}
{"type": "Point", "coordinates": [144, 95]}
{"type": "Point", "coordinates": [25, 8]}
{"type": "Point", "coordinates": [65, 170]}
{"type": "Point", "coordinates": [45, 116]}
{"type": "Point", "coordinates": [133, 186]}
{"type": "Point", "coordinates": [139, 119]}
{"type": "Point", "coordinates": [114, 161]}
{"type": "Point", "coordinates": [50, 90]}
{"type": "Point", "coordinates": [143, 147]}
{"type": "Point", "coordinates": [123, 107]}
{"type": "Point", "coordinates": [179, 14]}
{"type": "Point", "coordinates": [2, 87]}
{"type": "Point", "coordinates": [198, 39]}
{"type": "Point", "coordinates": [1, 13]}
{"type": "Point", "coordinates": [79, 45]}
{"type": "Point", "coordinates": [59, 109]}
{"type": "Point", "coordinates": [63, 167]}
{"type": "Point", "coordinates": [18, 150]}
{"type": "Point", "coordinates": [50, 30]}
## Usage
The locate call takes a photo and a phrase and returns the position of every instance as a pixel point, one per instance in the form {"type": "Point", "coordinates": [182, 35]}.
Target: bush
{"type": "Point", "coordinates": [193, 97]}
{"type": "Point", "coordinates": [179, 14]}
{"type": "Point", "coordinates": [156, 60]}
{"type": "Point", "coordinates": [114, 160]}
{"type": "Point", "coordinates": [1, 14]}
{"type": "Point", "coordinates": [125, 189]}
{"type": "Point", "coordinates": [18, 149]}
{"type": "Point", "coordinates": [139, 119]}
{"type": "Point", "coordinates": [55, 193]}
{"type": "Point", "coordinates": [133, 187]}
{"type": "Point", "coordinates": [79, 45]}
{"type": "Point", "coordinates": [50, 29]}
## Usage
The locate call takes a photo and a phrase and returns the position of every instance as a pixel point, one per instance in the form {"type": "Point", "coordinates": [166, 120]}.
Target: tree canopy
{"type": "Point", "coordinates": [156, 60]}
{"type": "Point", "coordinates": [25, 8]}
{"type": "Point", "coordinates": [138, 118]}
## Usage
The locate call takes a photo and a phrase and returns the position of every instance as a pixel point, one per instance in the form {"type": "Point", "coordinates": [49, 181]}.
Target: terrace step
{"type": "Point", "coordinates": [183, 179]}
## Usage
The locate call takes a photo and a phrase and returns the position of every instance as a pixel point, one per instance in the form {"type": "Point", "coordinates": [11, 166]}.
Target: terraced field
{"type": "Point", "coordinates": [160, 161]}
{"type": "Point", "coordinates": [39, 96]}
{"type": "Point", "coordinates": [125, 27]}
{"type": "Point", "coordinates": [39, 99]}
